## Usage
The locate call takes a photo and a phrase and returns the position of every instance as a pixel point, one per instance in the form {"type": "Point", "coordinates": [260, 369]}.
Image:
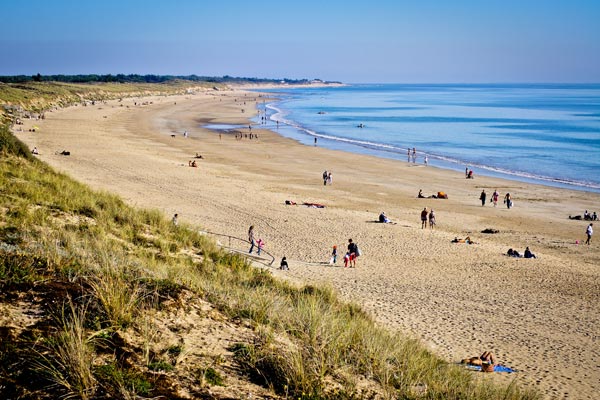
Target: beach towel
{"type": "Point", "coordinates": [315, 205]}
{"type": "Point", "coordinates": [497, 368]}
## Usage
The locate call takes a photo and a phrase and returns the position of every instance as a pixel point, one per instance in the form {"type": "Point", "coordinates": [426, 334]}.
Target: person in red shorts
{"type": "Point", "coordinates": [352, 252]}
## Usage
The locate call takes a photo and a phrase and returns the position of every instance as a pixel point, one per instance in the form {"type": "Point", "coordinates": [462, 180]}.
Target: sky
{"type": "Point", "coordinates": [376, 41]}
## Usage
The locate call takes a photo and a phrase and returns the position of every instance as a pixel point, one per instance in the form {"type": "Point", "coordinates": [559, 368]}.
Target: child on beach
{"type": "Point", "coordinates": [346, 259]}
{"type": "Point", "coordinates": [260, 243]}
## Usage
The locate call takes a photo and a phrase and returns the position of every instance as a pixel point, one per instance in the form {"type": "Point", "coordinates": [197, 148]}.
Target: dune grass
{"type": "Point", "coordinates": [307, 343]}
{"type": "Point", "coordinates": [36, 97]}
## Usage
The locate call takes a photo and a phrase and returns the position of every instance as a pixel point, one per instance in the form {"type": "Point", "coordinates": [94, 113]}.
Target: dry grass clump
{"type": "Point", "coordinates": [121, 264]}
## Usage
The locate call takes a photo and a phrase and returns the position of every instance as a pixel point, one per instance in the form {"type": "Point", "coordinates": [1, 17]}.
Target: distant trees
{"type": "Point", "coordinates": [134, 78]}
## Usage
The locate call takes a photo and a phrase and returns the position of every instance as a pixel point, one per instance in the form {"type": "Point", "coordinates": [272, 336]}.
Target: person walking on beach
{"type": "Point", "coordinates": [495, 197]}
{"type": "Point", "coordinates": [414, 155]}
{"type": "Point", "coordinates": [353, 251]}
{"type": "Point", "coordinates": [431, 219]}
{"type": "Point", "coordinates": [329, 179]}
{"type": "Point", "coordinates": [482, 197]}
{"type": "Point", "coordinates": [259, 245]}
{"type": "Point", "coordinates": [424, 218]}
{"type": "Point", "coordinates": [325, 175]}
{"type": "Point", "coordinates": [589, 232]}
{"type": "Point", "coordinates": [508, 201]}
{"type": "Point", "coordinates": [333, 258]}
{"type": "Point", "coordinates": [408, 155]}
{"type": "Point", "coordinates": [251, 238]}
{"type": "Point", "coordinates": [425, 160]}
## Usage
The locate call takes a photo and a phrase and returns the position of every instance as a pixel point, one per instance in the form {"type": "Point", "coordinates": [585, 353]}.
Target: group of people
{"type": "Point", "coordinates": [259, 244]}
{"type": "Point", "coordinates": [590, 217]}
{"type": "Point", "coordinates": [526, 254]}
{"type": "Point", "coordinates": [412, 155]}
{"type": "Point", "coordinates": [352, 253]}
{"type": "Point", "coordinates": [494, 199]}
{"type": "Point", "coordinates": [327, 177]}
{"type": "Point", "coordinates": [425, 215]}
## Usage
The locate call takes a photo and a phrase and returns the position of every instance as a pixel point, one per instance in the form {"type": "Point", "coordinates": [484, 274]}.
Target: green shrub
{"type": "Point", "coordinates": [160, 366]}
{"type": "Point", "coordinates": [9, 144]}
{"type": "Point", "coordinates": [211, 376]}
{"type": "Point", "coordinates": [19, 268]}
{"type": "Point", "coordinates": [117, 380]}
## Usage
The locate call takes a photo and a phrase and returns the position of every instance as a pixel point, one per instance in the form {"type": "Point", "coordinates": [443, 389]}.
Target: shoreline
{"type": "Point", "coordinates": [298, 131]}
{"type": "Point", "coordinates": [459, 299]}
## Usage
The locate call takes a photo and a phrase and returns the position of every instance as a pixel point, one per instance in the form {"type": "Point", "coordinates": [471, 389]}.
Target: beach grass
{"type": "Point", "coordinates": [107, 269]}
{"type": "Point", "coordinates": [37, 97]}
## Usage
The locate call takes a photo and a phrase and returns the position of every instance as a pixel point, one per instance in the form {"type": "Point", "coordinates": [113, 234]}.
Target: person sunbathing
{"type": "Point", "coordinates": [466, 240]}
{"type": "Point", "coordinates": [513, 253]}
{"type": "Point", "coordinates": [487, 357]}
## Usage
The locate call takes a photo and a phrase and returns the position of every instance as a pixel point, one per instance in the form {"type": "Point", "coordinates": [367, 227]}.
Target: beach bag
{"type": "Point", "coordinates": [487, 367]}
{"type": "Point", "coordinates": [358, 252]}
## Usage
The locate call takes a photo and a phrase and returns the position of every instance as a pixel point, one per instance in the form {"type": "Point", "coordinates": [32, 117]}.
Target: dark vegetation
{"type": "Point", "coordinates": [134, 78]}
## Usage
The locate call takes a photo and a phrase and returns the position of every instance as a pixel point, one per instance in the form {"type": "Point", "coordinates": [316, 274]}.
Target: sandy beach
{"type": "Point", "coordinates": [539, 316]}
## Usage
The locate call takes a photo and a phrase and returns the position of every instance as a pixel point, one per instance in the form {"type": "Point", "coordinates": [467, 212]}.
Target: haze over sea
{"type": "Point", "coordinates": [543, 133]}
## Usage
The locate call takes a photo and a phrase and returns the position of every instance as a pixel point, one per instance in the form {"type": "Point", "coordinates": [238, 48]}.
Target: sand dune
{"type": "Point", "coordinates": [539, 316]}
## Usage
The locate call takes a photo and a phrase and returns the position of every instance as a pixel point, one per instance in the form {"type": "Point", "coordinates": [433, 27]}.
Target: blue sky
{"type": "Point", "coordinates": [351, 41]}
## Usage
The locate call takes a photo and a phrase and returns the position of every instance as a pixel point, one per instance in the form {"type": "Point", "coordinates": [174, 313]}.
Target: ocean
{"type": "Point", "coordinates": [541, 133]}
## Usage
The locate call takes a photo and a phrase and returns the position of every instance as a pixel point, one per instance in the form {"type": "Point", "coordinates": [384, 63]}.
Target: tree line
{"type": "Point", "coordinates": [135, 78]}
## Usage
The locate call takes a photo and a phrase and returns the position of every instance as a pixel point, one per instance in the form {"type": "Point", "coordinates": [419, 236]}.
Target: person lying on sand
{"type": "Point", "coordinates": [485, 357]}
{"type": "Point", "coordinates": [486, 363]}
{"type": "Point", "coordinates": [513, 253]}
{"type": "Point", "coordinates": [314, 205]}
{"type": "Point", "coordinates": [466, 240]}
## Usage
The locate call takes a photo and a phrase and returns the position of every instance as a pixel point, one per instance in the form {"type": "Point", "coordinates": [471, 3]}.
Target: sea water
{"type": "Point", "coordinates": [542, 133]}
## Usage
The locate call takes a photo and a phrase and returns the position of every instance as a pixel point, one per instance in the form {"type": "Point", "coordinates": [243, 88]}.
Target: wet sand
{"type": "Point", "coordinates": [539, 316]}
